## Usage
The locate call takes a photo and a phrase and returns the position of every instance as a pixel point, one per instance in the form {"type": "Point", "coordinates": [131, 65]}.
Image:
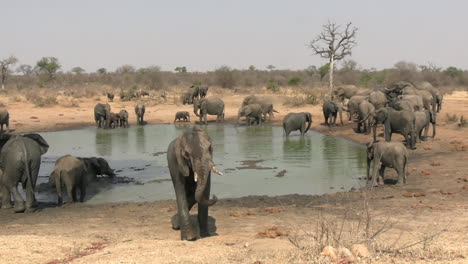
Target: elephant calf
{"type": "Point", "coordinates": [114, 120]}
{"type": "Point", "coordinates": [123, 114]}
{"type": "Point", "coordinates": [252, 112]}
{"type": "Point", "coordinates": [182, 116]}
{"type": "Point", "coordinates": [387, 154]}
{"type": "Point", "coordinates": [297, 121]}
{"type": "Point", "coordinates": [5, 120]}
{"type": "Point", "coordinates": [423, 120]}
{"type": "Point", "coordinates": [72, 172]}
{"type": "Point", "coordinates": [330, 111]}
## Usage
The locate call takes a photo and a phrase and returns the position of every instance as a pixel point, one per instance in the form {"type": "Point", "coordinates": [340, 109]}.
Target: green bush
{"type": "Point", "coordinates": [294, 81]}
{"type": "Point", "coordinates": [272, 86]}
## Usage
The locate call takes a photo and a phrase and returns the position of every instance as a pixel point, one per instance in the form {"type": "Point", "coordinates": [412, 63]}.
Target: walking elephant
{"type": "Point", "coordinates": [209, 106]}
{"type": "Point", "coordinates": [20, 160]}
{"type": "Point", "coordinates": [401, 122]}
{"type": "Point", "coordinates": [297, 121]}
{"type": "Point", "coordinates": [423, 120]}
{"type": "Point", "coordinates": [182, 116]}
{"type": "Point", "coordinates": [123, 114]}
{"type": "Point", "coordinates": [345, 92]}
{"type": "Point", "coordinates": [102, 116]}
{"type": "Point", "coordinates": [330, 111]}
{"type": "Point", "coordinates": [252, 112]}
{"type": "Point", "coordinates": [190, 162]}
{"type": "Point", "coordinates": [140, 113]}
{"type": "Point", "coordinates": [366, 109]}
{"type": "Point", "coordinates": [5, 120]}
{"type": "Point", "coordinates": [387, 154]}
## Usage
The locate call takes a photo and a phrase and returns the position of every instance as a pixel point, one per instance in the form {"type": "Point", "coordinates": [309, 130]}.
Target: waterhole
{"type": "Point", "coordinates": [254, 160]}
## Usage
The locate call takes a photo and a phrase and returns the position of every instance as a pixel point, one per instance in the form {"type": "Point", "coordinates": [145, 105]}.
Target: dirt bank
{"type": "Point", "coordinates": [429, 212]}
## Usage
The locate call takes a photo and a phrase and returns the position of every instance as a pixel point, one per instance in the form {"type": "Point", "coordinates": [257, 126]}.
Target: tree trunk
{"type": "Point", "coordinates": [332, 62]}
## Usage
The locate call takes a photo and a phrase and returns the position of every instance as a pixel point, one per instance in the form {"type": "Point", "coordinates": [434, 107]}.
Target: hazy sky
{"type": "Point", "coordinates": [206, 34]}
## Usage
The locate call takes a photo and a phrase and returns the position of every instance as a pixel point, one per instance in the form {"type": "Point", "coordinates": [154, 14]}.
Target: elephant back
{"type": "Point", "coordinates": [213, 106]}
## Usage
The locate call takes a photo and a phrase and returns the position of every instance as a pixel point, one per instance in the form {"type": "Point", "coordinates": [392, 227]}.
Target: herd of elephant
{"type": "Point", "coordinates": [403, 108]}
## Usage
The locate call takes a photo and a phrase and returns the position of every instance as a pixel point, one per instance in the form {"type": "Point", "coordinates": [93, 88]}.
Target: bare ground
{"type": "Point", "coordinates": [429, 212]}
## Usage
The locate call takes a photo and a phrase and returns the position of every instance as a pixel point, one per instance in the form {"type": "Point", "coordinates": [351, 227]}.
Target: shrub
{"type": "Point", "coordinates": [225, 77]}
{"type": "Point", "coordinates": [451, 118]}
{"type": "Point", "coordinates": [272, 86]}
{"type": "Point", "coordinates": [294, 81]}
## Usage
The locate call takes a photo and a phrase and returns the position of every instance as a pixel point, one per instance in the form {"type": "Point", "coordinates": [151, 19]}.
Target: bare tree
{"type": "Point", "coordinates": [4, 71]}
{"type": "Point", "coordinates": [334, 44]}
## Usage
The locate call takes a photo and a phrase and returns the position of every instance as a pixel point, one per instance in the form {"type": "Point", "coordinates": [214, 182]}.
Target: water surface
{"type": "Point", "coordinates": [255, 160]}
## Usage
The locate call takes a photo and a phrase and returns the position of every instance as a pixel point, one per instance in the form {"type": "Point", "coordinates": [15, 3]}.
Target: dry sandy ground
{"type": "Point", "coordinates": [431, 211]}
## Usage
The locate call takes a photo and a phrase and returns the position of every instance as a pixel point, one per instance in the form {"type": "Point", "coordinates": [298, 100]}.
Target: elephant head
{"type": "Point", "coordinates": [338, 93]}
{"type": "Point", "coordinates": [194, 155]}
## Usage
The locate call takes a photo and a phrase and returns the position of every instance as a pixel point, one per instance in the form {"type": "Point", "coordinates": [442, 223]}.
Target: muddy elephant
{"type": "Point", "coordinates": [387, 154]}
{"type": "Point", "coordinates": [330, 111]}
{"type": "Point", "coordinates": [182, 116]}
{"type": "Point", "coordinates": [297, 121]}
{"type": "Point", "coordinates": [423, 120]}
{"type": "Point", "coordinates": [4, 120]}
{"type": "Point", "coordinates": [123, 114]}
{"type": "Point", "coordinates": [203, 91]}
{"type": "Point", "coordinates": [378, 99]}
{"type": "Point", "coordinates": [209, 106]}
{"type": "Point", "coordinates": [72, 172]}
{"type": "Point", "coordinates": [102, 116]}
{"type": "Point", "coordinates": [401, 122]}
{"type": "Point", "coordinates": [20, 160]}
{"type": "Point", "coordinates": [252, 112]}
{"type": "Point", "coordinates": [366, 109]}
{"type": "Point", "coordinates": [190, 162]}
{"type": "Point", "coordinates": [140, 113]}
{"type": "Point", "coordinates": [345, 92]}
{"type": "Point", "coordinates": [353, 105]}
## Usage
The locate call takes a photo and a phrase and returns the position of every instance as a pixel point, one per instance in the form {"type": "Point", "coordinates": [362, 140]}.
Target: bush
{"type": "Point", "coordinates": [44, 101]}
{"type": "Point", "coordinates": [294, 81]}
{"type": "Point", "coordinates": [272, 86]}
{"type": "Point", "coordinates": [225, 77]}
{"type": "Point", "coordinates": [451, 118]}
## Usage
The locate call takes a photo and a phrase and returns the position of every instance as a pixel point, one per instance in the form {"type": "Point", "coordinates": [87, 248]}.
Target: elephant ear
{"type": "Point", "coordinates": [180, 145]}
{"type": "Point", "coordinates": [43, 145]}
{"type": "Point", "coordinates": [3, 139]}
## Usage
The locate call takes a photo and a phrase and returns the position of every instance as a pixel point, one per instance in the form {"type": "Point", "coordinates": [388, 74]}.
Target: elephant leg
{"type": "Point", "coordinates": [374, 173]}
{"type": "Point", "coordinates": [182, 219]}
{"type": "Point", "coordinates": [381, 174]}
{"type": "Point", "coordinates": [205, 118]}
{"type": "Point", "coordinates": [70, 192]}
{"type": "Point", "coordinates": [203, 212]}
{"type": "Point", "coordinates": [18, 200]}
{"type": "Point", "coordinates": [6, 197]}
{"type": "Point", "coordinates": [401, 175]}
{"type": "Point", "coordinates": [82, 187]}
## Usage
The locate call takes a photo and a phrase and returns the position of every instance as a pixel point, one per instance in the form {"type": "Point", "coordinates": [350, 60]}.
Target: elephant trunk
{"type": "Point", "coordinates": [108, 119]}
{"type": "Point", "coordinates": [203, 179]}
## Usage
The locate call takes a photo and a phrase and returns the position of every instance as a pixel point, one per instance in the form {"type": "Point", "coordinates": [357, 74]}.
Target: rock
{"type": "Point", "coordinates": [407, 194]}
{"type": "Point", "coordinates": [331, 253]}
{"type": "Point", "coordinates": [235, 214]}
{"type": "Point", "coordinates": [423, 172]}
{"type": "Point", "coordinates": [419, 194]}
{"type": "Point", "coordinates": [251, 212]}
{"type": "Point", "coordinates": [345, 255]}
{"type": "Point", "coordinates": [360, 250]}
{"type": "Point", "coordinates": [435, 163]}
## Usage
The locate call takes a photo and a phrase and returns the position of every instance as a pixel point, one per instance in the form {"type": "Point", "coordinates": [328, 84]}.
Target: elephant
{"type": "Point", "coordinates": [20, 160]}
{"type": "Point", "coordinates": [187, 98]}
{"type": "Point", "coordinates": [250, 99]}
{"type": "Point", "coordinates": [330, 110]}
{"type": "Point", "coordinates": [428, 101]}
{"type": "Point", "coordinates": [345, 92]}
{"type": "Point", "coordinates": [182, 116]}
{"type": "Point", "coordinates": [110, 96]}
{"type": "Point", "coordinates": [203, 91]}
{"type": "Point", "coordinates": [190, 162]}
{"type": "Point", "coordinates": [399, 104]}
{"type": "Point", "coordinates": [387, 154]}
{"type": "Point", "coordinates": [194, 92]}
{"type": "Point", "coordinates": [415, 100]}
{"type": "Point", "coordinates": [353, 105]}
{"type": "Point", "coordinates": [252, 112]}
{"type": "Point", "coordinates": [439, 99]}
{"type": "Point", "coordinates": [102, 114]}
{"type": "Point", "coordinates": [365, 109]}
{"type": "Point", "coordinates": [123, 114]}
{"type": "Point", "coordinates": [209, 106]}
{"type": "Point", "coordinates": [140, 113]}
{"type": "Point", "coordinates": [4, 120]}
{"type": "Point", "coordinates": [378, 99]}
{"type": "Point", "coordinates": [401, 122]}
{"type": "Point", "coordinates": [297, 121]}
{"type": "Point", "coordinates": [72, 172]}
{"type": "Point", "coordinates": [114, 120]}
{"type": "Point", "coordinates": [265, 103]}
{"type": "Point", "coordinates": [423, 120]}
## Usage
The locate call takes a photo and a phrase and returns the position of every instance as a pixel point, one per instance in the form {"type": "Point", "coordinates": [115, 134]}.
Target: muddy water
{"type": "Point", "coordinates": [255, 161]}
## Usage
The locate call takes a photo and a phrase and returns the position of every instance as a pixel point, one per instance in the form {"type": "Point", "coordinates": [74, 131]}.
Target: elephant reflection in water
{"type": "Point", "coordinates": [297, 148]}
{"type": "Point", "coordinates": [103, 142]}
{"type": "Point", "coordinates": [140, 139]}
{"type": "Point", "coordinates": [256, 142]}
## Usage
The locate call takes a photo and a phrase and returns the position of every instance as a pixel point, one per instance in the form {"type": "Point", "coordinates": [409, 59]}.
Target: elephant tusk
{"type": "Point", "coordinates": [216, 171]}
{"type": "Point", "coordinates": [195, 176]}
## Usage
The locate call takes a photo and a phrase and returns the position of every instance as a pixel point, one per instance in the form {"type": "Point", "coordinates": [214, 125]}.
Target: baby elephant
{"type": "Point", "coordinates": [387, 154]}
{"type": "Point", "coordinates": [123, 118]}
{"type": "Point", "coordinates": [182, 116]}
{"type": "Point", "coordinates": [140, 113]}
{"type": "Point", "coordinates": [73, 172]}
